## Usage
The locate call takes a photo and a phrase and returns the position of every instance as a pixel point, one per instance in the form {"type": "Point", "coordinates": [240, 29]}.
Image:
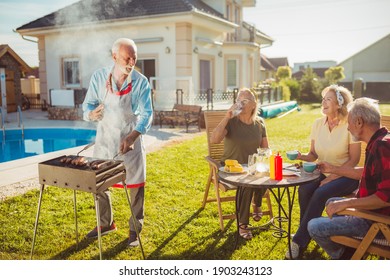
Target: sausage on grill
{"type": "Point", "coordinates": [96, 164]}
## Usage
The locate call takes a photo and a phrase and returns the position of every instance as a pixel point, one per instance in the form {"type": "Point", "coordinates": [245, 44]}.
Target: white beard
{"type": "Point", "coordinates": [355, 138]}
{"type": "Point", "coordinates": [125, 70]}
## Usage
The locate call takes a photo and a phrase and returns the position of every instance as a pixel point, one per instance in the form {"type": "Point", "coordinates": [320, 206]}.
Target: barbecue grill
{"type": "Point", "coordinates": [54, 172]}
{"type": "Point", "coordinates": [82, 174]}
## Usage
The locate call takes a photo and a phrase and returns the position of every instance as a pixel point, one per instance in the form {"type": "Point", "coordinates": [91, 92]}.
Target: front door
{"type": "Point", "coordinates": [205, 77]}
{"type": "Point", "coordinates": [10, 90]}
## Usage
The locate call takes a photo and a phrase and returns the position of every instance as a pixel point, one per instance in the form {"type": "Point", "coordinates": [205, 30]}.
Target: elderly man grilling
{"type": "Point", "coordinates": [119, 98]}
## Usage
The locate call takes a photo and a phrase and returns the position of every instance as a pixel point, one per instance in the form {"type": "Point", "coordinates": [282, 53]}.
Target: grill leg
{"type": "Point", "coordinates": [98, 224]}
{"type": "Point", "coordinates": [36, 220]}
{"type": "Point", "coordinates": [75, 219]}
{"type": "Point", "coordinates": [134, 220]}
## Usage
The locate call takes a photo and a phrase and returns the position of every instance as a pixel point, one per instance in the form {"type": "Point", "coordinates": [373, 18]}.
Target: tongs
{"type": "Point", "coordinates": [86, 147]}
{"type": "Point", "coordinates": [117, 154]}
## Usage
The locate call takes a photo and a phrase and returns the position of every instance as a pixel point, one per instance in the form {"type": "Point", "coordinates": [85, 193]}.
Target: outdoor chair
{"type": "Point", "coordinates": [368, 244]}
{"type": "Point", "coordinates": [215, 152]}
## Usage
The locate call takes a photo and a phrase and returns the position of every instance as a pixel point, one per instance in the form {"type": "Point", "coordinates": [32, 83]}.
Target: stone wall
{"type": "Point", "coordinates": [58, 113]}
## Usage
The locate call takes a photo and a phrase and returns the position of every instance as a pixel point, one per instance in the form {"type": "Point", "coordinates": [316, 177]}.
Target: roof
{"type": "Point", "coordinates": [273, 63]}
{"type": "Point", "coordinates": [102, 10]}
{"type": "Point", "coordinates": [7, 49]}
{"type": "Point", "coordinates": [266, 64]}
{"type": "Point", "coordinates": [279, 61]}
{"type": "Point", "coordinates": [376, 42]}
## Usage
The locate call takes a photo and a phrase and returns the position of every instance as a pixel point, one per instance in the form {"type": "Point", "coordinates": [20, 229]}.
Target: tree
{"type": "Point", "coordinates": [334, 74]}
{"type": "Point", "coordinates": [283, 72]}
{"type": "Point", "coordinates": [293, 85]}
{"type": "Point", "coordinates": [310, 86]}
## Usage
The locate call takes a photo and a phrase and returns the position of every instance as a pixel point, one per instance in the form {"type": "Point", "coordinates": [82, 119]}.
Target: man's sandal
{"type": "Point", "coordinates": [257, 213]}
{"type": "Point", "coordinates": [245, 232]}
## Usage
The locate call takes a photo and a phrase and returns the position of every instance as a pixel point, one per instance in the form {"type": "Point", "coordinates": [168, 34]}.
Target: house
{"type": "Point", "coordinates": [368, 71]}
{"type": "Point", "coordinates": [321, 64]}
{"type": "Point", "coordinates": [189, 45]}
{"type": "Point", "coordinates": [269, 66]}
{"type": "Point", "coordinates": [320, 72]}
{"type": "Point", "coordinates": [12, 69]}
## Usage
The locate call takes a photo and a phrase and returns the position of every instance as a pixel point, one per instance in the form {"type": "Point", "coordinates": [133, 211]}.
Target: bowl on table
{"type": "Point", "coordinates": [292, 155]}
{"type": "Point", "coordinates": [309, 167]}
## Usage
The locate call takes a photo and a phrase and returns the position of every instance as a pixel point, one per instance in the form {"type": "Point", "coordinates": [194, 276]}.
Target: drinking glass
{"type": "Point", "coordinates": [238, 109]}
{"type": "Point", "coordinates": [252, 161]}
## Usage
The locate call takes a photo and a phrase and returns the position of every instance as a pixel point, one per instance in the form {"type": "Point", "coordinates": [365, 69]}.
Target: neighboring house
{"type": "Point", "coordinates": [192, 45]}
{"type": "Point", "coordinates": [12, 69]}
{"type": "Point", "coordinates": [324, 64]}
{"type": "Point", "coordinates": [269, 66]}
{"type": "Point", "coordinates": [370, 68]}
{"type": "Point", "coordinates": [320, 72]}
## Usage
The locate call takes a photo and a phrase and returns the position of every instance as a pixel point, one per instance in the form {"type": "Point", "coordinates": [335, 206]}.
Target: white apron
{"type": "Point", "coordinates": [118, 121]}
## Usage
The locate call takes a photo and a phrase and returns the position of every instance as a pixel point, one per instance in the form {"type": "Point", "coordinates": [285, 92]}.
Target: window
{"type": "Point", "coordinates": [232, 74]}
{"type": "Point", "coordinates": [237, 18]}
{"type": "Point", "coordinates": [228, 11]}
{"type": "Point", "coordinates": [71, 72]}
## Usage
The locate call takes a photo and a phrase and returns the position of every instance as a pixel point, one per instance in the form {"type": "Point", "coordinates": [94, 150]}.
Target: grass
{"type": "Point", "coordinates": [176, 228]}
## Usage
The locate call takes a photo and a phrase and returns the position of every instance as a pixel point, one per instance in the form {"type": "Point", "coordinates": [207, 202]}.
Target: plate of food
{"type": "Point", "coordinates": [289, 173]}
{"type": "Point", "coordinates": [233, 171]}
{"type": "Point", "coordinates": [233, 167]}
{"type": "Point", "coordinates": [290, 170]}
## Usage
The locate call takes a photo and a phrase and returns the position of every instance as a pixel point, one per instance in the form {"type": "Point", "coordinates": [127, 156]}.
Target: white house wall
{"type": "Point", "coordinates": [93, 48]}
{"type": "Point", "coordinates": [207, 51]}
{"type": "Point", "coordinates": [174, 57]}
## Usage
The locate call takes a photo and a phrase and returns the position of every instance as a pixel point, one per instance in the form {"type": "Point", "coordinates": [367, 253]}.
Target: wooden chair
{"type": "Point", "coordinates": [368, 244]}
{"type": "Point", "coordinates": [215, 152]}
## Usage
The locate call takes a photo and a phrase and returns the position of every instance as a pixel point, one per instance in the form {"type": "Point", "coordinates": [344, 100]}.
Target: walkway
{"type": "Point", "coordinates": [18, 176]}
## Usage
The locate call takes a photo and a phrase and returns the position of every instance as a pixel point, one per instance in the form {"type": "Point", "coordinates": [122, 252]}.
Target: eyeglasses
{"type": "Point", "coordinates": [243, 101]}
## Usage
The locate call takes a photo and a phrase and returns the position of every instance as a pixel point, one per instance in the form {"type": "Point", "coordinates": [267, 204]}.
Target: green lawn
{"type": "Point", "coordinates": [176, 228]}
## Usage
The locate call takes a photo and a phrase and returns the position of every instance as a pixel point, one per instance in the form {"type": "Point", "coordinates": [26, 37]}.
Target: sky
{"type": "Point", "coordinates": [302, 30]}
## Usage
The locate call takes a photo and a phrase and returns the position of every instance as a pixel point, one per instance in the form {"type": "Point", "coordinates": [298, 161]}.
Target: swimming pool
{"type": "Point", "coordinates": [37, 141]}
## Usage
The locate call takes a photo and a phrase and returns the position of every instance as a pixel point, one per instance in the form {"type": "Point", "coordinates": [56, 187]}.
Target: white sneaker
{"type": "Point", "coordinates": [294, 251]}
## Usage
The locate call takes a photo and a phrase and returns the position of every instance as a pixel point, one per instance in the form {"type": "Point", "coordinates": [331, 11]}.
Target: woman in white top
{"type": "Point", "coordinates": [331, 142]}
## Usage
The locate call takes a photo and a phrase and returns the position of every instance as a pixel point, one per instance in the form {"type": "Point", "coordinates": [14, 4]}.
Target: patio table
{"type": "Point", "coordinates": [287, 186]}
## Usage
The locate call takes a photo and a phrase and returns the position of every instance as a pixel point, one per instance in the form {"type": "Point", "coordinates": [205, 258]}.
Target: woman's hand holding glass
{"type": "Point", "coordinates": [234, 110]}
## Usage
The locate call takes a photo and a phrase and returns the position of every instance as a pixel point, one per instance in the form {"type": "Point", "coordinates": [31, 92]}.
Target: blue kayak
{"type": "Point", "coordinates": [271, 111]}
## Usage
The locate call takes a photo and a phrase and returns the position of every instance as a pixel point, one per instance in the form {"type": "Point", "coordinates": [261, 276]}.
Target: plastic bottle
{"type": "Point", "coordinates": [278, 167]}
{"type": "Point", "coordinates": [272, 167]}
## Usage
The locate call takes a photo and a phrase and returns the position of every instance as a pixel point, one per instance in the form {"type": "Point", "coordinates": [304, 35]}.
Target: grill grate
{"type": "Point", "coordinates": [84, 178]}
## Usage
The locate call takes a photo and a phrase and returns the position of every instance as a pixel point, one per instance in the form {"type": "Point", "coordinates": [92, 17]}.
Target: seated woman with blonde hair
{"type": "Point", "coordinates": [330, 142]}
{"type": "Point", "coordinates": [243, 134]}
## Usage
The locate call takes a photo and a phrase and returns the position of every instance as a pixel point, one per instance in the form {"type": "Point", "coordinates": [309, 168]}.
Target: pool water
{"type": "Point", "coordinates": [40, 141]}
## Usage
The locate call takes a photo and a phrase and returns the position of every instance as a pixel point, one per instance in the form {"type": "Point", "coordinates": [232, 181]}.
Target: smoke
{"type": "Point", "coordinates": [88, 29]}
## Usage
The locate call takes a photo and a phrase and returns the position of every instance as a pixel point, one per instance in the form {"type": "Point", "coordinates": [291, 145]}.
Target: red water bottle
{"type": "Point", "coordinates": [278, 167]}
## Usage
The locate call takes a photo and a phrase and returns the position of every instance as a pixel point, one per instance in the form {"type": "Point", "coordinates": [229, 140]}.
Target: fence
{"type": "Point", "coordinates": [211, 99]}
